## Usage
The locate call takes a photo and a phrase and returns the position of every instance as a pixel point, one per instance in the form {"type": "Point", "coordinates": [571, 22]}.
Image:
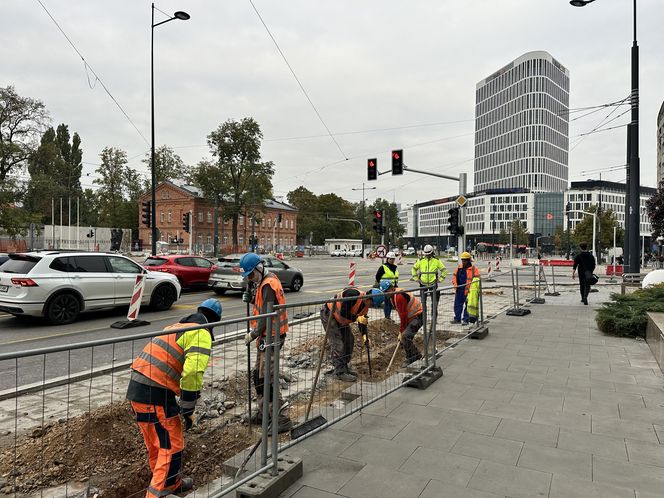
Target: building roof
{"type": "Point", "coordinates": [535, 54]}
{"type": "Point", "coordinates": [608, 186]}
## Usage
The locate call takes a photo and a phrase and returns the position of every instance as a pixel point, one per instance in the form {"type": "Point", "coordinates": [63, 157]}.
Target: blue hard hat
{"type": "Point", "coordinates": [385, 285]}
{"type": "Point", "coordinates": [377, 297]}
{"type": "Point", "coordinates": [248, 262]}
{"type": "Point", "coordinates": [213, 305]}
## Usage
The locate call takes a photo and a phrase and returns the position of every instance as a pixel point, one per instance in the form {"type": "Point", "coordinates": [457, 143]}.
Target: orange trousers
{"type": "Point", "coordinates": [162, 432]}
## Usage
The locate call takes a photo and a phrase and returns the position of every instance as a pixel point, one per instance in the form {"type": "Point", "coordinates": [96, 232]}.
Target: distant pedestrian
{"type": "Point", "coordinates": [389, 272]}
{"type": "Point", "coordinates": [461, 280]}
{"type": "Point", "coordinates": [585, 263]}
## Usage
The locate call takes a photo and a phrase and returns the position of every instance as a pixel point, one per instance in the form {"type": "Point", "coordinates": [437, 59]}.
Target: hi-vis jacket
{"type": "Point", "coordinates": [346, 312]}
{"type": "Point", "coordinates": [280, 324]}
{"type": "Point", "coordinates": [172, 365]}
{"type": "Point", "coordinates": [471, 272]}
{"type": "Point", "coordinates": [473, 299]}
{"type": "Point", "coordinates": [426, 269]}
{"type": "Point", "coordinates": [407, 305]}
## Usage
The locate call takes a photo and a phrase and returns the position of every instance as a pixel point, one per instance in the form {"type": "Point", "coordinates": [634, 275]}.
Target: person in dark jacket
{"type": "Point", "coordinates": [585, 263]}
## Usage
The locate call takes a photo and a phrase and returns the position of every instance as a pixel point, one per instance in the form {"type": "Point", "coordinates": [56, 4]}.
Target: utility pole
{"type": "Point", "coordinates": [363, 211]}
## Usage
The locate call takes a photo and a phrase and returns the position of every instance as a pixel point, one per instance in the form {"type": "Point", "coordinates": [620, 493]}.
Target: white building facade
{"type": "Point", "coordinates": [522, 126]}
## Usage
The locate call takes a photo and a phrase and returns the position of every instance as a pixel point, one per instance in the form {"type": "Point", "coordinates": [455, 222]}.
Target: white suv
{"type": "Point", "coordinates": [59, 285]}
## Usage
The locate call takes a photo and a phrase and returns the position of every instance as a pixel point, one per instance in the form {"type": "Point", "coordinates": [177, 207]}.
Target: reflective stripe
{"type": "Point", "coordinates": [168, 370]}
{"type": "Point", "coordinates": [169, 349]}
{"type": "Point", "coordinates": [142, 379]}
{"type": "Point", "coordinates": [187, 404]}
{"type": "Point", "coordinates": [197, 349]}
{"type": "Point", "coordinates": [156, 492]}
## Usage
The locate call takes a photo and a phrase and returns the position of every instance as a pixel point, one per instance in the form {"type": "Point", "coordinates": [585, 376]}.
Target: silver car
{"type": "Point", "coordinates": [228, 275]}
{"type": "Point", "coordinates": [60, 285]}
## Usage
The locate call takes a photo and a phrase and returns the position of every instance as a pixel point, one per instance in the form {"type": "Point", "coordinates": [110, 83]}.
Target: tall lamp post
{"type": "Point", "coordinates": [363, 210]}
{"type": "Point", "coordinates": [633, 216]}
{"type": "Point", "coordinates": [182, 16]}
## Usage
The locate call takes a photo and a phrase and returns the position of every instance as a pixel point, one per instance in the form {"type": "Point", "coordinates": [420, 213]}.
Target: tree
{"type": "Point", "coordinates": [655, 206]}
{"type": "Point", "coordinates": [519, 233]}
{"type": "Point", "coordinates": [22, 120]}
{"type": "Point", "coordinates": [14, 220]}
{"type": "Point", "coordinates": [606, 220]}
{"type": "Point", "coordinates": [237, 178]}
{"type": "Point", "coordinates": [118, 192]}
{"type": "Point", "coordinates": [168, 166]}
{"type": "Point", "coordinates": [561, 239]}
{"type": "Point", "coordinates": [89, 208]}
{"type": "Point", "coordinates": [393, 229]}
{"type": "Point", "coordinates": [503, 237]}
{"type": "Point", "coordinates": [307, 217]}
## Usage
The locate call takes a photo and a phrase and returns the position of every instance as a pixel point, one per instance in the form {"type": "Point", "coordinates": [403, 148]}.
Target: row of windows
{"type": "Point", "coordinates": [523, 151]}
{"type": "Point", "coordinates": [527, 86]}
{"type": "Point", "coordinates": [518, 112]}
{"type": "Point", "coordinates": [485, 178]}
{"type": "Point", "coordinates": [520, 71]}
{"type": "Point", "coordinates": [521, 135]}
{"type": "Point", "coordinates": [540, 183]}
{"type": "Point", "coordinates": [208, 218]}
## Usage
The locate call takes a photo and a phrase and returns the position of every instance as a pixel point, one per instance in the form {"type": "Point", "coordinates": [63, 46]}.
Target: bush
{"type": "Point", "coordinates": [625, 315]}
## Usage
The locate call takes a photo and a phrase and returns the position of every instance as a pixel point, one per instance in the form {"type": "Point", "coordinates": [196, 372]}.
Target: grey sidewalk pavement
{"type": "Point", "coordinates": [545, 406]}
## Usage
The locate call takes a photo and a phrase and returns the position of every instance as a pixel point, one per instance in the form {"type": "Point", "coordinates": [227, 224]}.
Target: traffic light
{"type": "Point", "coordinates": [147, 213]}
{"type": "Point", "coordinates": [378, 221]}
{"type": "Point", "coordinates": [372, 169]}
{"type": "Point", "coordinates": [453, 221]}
{"type": "Point", "coordinates": [397, 162]}
{"type": "Point", "coordinates": [186, 222]}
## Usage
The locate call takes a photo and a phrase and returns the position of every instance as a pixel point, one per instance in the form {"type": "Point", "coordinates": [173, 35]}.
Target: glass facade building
{"type": "Point", "coordinates": [522, 126]}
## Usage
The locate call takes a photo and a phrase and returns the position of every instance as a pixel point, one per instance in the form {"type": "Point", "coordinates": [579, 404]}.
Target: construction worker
{"type": "Point", "coordinates": [336, 317]}
{"type": "Point", "coordinates": [428, 271]}
{"type": "Point", "coordinates": [171, 365]}
{"type": "Point", "coordinates": [461, 280]}
{"type": "Point", "coordinates": [388, 271]}
{"type": "Point", "coordinates": [264, 291]}
{"type": "Point", "coordinates": [410, 311]}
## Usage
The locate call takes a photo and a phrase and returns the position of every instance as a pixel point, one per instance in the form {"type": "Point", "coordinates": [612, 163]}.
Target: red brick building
{"type": "Point", "coordinates": [174, 200]}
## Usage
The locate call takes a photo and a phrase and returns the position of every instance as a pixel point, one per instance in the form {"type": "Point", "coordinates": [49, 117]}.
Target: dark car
{"type": "Point", "coordinates": [191, 271]}
{"type": "Point", "coordinates": [228, 275]}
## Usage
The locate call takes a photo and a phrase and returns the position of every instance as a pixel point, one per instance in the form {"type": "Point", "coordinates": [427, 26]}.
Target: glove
{"type": "Point", "coordinates": [365, 340]}
{"type": "Point", "coordinates": [188, 420]}
{"type": "Point", "coordinates": [247, 296]}
{"type": "Point", "coordinates": [250, 337]}
{"type": "Point", "coordinates": [362, 320]}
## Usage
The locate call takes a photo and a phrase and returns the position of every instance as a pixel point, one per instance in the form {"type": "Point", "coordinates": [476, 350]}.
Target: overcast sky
{"type": "Point", "coordinates": [368, 66]}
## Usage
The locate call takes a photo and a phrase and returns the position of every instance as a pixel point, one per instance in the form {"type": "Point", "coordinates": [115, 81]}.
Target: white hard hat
{"type": "Point", "coordinates": [428, 249]}
{"type": "Point", "coordinates": [390, 255]}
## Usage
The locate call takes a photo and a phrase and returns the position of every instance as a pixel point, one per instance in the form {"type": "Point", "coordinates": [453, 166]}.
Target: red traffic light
{"type": "Point", "coordinates": [372, 169]}
{"type": "Point", "coordinates": [377, 214]}
{"type": "Point", "coordinates": [396, 154]}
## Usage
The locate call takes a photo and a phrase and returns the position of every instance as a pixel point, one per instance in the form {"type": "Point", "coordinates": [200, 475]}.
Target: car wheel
{"type": "Point", "coordinates": [163, 297]}
{"type": "Point", "coordinates": [296, 284]}
{"type": "Point", "coordinates": [63, 309]}
{"type": "Point", "coordinates": [219, 292]}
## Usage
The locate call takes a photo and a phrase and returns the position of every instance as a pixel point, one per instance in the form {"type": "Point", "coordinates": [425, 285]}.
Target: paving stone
{"type": "Point", "coordinates": [378, 482]}
{"type": "Point", "coordinates": [650, 415]}
{"type": "Point", "coordinates": [557, 461]}
{"type": "Point", "coordinates": [564, 487]}
{"type": "Point", "coordinates": [580, 422]}
{"type": "Point", "coordinates": [488, 448]}
{"type": "Point", "coordinates": [642, 478]}
{"type": "Point", "coordinates": [424, 414]}
{"type": "Point", "coordinates": [604, 446]}
{"type": "Point", "coordinates": [324, 472]}
{"type": "Point", "coordinates": [329, 442]}
{"type": "Point", "coordinates": [444, 466]}
{"type": "Point", "coordinates": [544, 435]}
{"type": "Point", "coordinates": [581, 406]}
{"type": "Point", "coordinates": [442, 437]}
{"type": "Point", "coordinates": [461, 404]}
{"type": "Point", "coordinates": [375, 425]}
{"type": "Point", "coordinates": [507, 480]}
{"type": "Point", "coordinates": [440, 489]}
{"type": "Point", "coordinates": [648, 453]}
{"type": "Point", "coordinates": [507, 410]}
{"type": "Point", "coordinates": [309, 492]}
{"type": "Point", "coordinates": [470, 422]}
{"type": "Point", "coordinates": [488, 394]}
{"type": "Point", "coordinates": [379, 452]}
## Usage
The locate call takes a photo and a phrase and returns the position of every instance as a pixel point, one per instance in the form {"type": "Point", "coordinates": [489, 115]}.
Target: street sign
{"type": "Point", "coordinates": [461, 201]}
{"type": "Point", "coordinates": [381, 251]}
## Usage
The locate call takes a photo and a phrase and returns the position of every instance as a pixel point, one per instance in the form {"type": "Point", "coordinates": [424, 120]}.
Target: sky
{"type": "Point", "coordinates": [381, 75]}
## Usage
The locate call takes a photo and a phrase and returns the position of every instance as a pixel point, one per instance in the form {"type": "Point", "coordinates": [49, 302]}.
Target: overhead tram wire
{"type": "Point", "coordinates": [97, 78]}
{"type": "Point", "coordinates": [600, 124]}
{"type": "Point", "coordinates": [329, 132]}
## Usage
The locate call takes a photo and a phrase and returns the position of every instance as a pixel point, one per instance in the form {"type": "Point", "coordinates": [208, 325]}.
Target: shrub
{"type": "Point", "coordinates": [625, 315]}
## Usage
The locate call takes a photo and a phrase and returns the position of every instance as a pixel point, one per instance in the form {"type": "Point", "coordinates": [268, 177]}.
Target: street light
{"type": "Point", "coordinates": [182, 16]}
{"type": "Point", "coordinates": [633, 216]}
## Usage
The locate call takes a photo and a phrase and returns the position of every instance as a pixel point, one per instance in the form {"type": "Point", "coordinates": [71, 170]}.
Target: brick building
{"type": "Point", "coordinates": [174, 199]}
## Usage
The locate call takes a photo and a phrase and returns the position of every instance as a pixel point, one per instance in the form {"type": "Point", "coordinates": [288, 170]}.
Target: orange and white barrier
{"type": "Point", "coordinates": [400, 260]}
{"type": "Point", "coordinates": [351, 273]}
{"type": "Point", "coordinates": [136, 296]}
{"type": "Point", "coordinates": [489, 270]}
{"type": "Point", "coordinates": [498, 260]}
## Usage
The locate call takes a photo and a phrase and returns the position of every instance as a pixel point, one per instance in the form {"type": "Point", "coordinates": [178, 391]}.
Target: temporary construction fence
{"type": "Point", "coordinates": [65, 426]}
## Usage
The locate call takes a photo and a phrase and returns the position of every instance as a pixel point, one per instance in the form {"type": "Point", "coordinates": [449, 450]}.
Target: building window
{"type": "Point", "coordinates": [200, 216]}
{"type": "Point", "coordinates": [209, 217]}
{"type": "Point", "coordinates": [165, 194]}
{"type": "Point", "coordinates": [170, 217]}
{"type": "Point", "coordinates": [161, 217]}
{"type": "Point", "coordinates": [209, 239]}
{"type": "Point", "coordinates": [241, 220]}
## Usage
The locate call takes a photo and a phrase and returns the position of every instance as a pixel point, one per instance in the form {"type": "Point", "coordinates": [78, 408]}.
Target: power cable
{"type": "Point", "coordinates": [601, 123]}
{"type": "Point", "coordinates": [97, 78]}
{"type": "Point", "coordinates": [298, 81]}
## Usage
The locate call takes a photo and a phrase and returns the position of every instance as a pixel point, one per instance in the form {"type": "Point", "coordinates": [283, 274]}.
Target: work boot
{"type": "Point", "coordinates": [413, 359]}
{"type": "Point", "coordinates": [350, 371]}
{"type": "Point", "coordinates": [284, 423]}
{"type": "Point", "coordinates": [455, 322]}
{"type": "Point", "coordinates": [186, 484]}
{"type": "Point", "coordinates": [345, 377]}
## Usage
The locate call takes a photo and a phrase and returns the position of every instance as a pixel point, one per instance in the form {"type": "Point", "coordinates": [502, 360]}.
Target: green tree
{"type": "Point", "coordinates": [236, 178]}
{"type": "Point", "coordinates": [168, 166]}
{"type": "Point", "coordinates": [606, 220]}
{"type": "Point", "coordinates": [503, 237]}
{"type": "Point", "coordinates": [89, 208]}
{"type": "Point", "coordinates": [393, 229]}
{"type": "Point", "coordinates": [22, 120]}
{"type": "Point", "coordinates": [118, 192]}
{"type": "Point", "coordinates": [308, 218]}
{"type": "Point", "coordinates": [14, 220]}
{"type": "Point", "coordinates": [519, 233]}
{"type": "Point", "coordinates": [562, 239]}
{"type": "Point", "coordinates": [655, 206]}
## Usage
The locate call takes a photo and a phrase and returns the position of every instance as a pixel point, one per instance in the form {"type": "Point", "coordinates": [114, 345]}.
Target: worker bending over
{"type": "Point", "coordinates": [410, 311]}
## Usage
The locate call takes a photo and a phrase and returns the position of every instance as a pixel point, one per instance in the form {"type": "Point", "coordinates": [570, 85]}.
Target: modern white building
{"type": "Point", "coordinates": [522, 126]}
{"type": "Point", "coordinates": [608, 195]}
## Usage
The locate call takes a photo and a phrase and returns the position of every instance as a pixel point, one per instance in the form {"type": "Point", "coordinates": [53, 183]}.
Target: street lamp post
{"type": "Point", "coordinates": [182, 16]}
{"type": "Point", "coordinates": [633, 216]}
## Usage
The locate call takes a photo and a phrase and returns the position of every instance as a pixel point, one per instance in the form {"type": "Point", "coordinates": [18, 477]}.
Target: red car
{"type": "Point", "coordinates": [191, 271]}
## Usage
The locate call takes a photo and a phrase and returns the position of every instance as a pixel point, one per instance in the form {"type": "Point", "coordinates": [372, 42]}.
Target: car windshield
{"type": "Point", "coordinates": [228, 261]}
{"type": "Point", "coordinates": [19, 263]}
{"type": "Point", "coordinates": [154, 261]}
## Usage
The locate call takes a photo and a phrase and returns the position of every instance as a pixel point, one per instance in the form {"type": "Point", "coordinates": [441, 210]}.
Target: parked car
{"type": "Point", "coordinates": [60, 285]}
{"type": "Point", "coordinates": [356, 253]}
{"type": "Point", "coordinates": [191, 271]}
{"type": "Point", "coordinates": [228, 275]}
{"type": "Point", "coordinates": [339, 253]}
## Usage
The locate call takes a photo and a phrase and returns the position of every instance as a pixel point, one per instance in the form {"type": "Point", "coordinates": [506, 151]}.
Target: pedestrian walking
{"type": "Point", "coordinates": [337, 317]}
{"type": "Point", "coordinates": [264, 291]}
{"type": "Point", "coordinates": [429, 271]}
{"type": "Point", "coordinates": [584, 262]}
{"type": "Point", "coordinates": [171, 365]}
{"type": "Point", "coordinates": [410, 309]}
{"type": "Point", "coordinates": [461, 280]}
{"type": "Point", "coordinates": [388, 271]}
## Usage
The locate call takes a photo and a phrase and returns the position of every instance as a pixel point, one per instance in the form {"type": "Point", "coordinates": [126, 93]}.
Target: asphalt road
{"type": "Point", "coordinates": [323, 277]}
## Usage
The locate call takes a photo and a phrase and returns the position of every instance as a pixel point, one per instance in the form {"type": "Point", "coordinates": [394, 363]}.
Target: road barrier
{"type": "Point", "coordinates": [78, 430]}
{"type": "Point", "coordinates": [351, 273]}
{"type": "Point", "coordinates": [517, 309]}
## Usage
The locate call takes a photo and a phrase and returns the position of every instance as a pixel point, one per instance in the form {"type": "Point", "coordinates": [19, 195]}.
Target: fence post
{"type": "Point", "coordinates": [517, 310]}
{"type": "Point", "coordinates": [538, 299]}
{"type": "Point", "coordinates": [276, 394]}
{"type": "Point", "coordinates": [425, 331]}
{"type": "Point", "coordinates": [266, 393]}
{"type": "Point", "coordinates": [434, 321]}
{"type": "Point", "coordinates": [553, 284]}
{"type": "Point", "coordinates": [482, 330]}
